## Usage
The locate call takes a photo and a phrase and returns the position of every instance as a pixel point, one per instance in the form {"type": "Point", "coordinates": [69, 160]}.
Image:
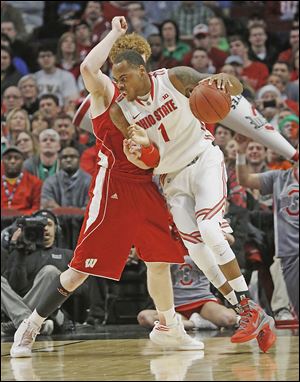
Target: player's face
{"type": "Point", "coordinates": [129, 80]}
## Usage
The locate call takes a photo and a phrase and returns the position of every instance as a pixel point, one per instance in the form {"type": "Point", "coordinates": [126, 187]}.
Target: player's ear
{"type": "Point", "coordinates": [142, 69]}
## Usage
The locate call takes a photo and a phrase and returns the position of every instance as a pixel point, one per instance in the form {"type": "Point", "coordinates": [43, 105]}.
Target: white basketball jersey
{"type": "Point", "coordinates": [169, 122]}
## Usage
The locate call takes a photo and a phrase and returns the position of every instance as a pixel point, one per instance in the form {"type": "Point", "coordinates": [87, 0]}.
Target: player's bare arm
{"type": "Point", "coordinates": [96, 82]}
{"type": "Point", "coordinates": [245, 178]}
{"type": "Point", "coordinates": [184, 79]}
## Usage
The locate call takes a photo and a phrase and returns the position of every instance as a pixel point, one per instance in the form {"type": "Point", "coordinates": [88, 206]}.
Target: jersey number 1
{"type": "Point", "coordinates": [164, 132]}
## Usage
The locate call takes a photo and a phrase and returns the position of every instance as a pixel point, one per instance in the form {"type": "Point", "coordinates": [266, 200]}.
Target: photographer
{"type": "Point", "coordinates": [32, 262]}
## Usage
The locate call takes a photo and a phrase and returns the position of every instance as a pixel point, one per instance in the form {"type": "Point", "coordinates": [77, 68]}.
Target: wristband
{"type": "Point", "coordinates": [241, 159]}
{"type": "Point", "coordinates": [150, 156]}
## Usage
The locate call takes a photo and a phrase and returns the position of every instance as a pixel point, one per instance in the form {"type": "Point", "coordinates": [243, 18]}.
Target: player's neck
{"type": "Point", "coordinates": [145, 91]}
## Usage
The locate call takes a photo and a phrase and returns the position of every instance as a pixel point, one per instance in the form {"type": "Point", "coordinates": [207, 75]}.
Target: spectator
{"type": "Point", "coordinates": [17, 120]}
{"type": "Point", "coordinates": [283, 100]}
{"type": "Point", "coordinates": [222, 136]}
{"type": "Point", "coordinates": [10, 13]}
{"type": "Point", "coordinates": [137, 21]}
{"type": "Point", "coordinates": [93, 15]}
{"type": "Point", "coordinates": [9, 74]}
{"type": "Point", "coordinates": [289, 128]}
{"type": "Point", "coordinates": [291, 89]}
{"type": "Point", "coordinates": [49, 107]}
{"type": "Point", "coordinates": [173, 47]}
{"type": "Point", "coordinates": [201, 62]}
{"type": "Point", "coordinates": [53, 80]}
{"type": "Point", "coordinates": [287, 55]}
{"type": "Point", "coordinates": [46, 163]}
{"type": "Point", "coordinates": [157, 60]}
{"type": "Point", "coordinates": [260, 50]}
{"type": "Point", "coordinates": [20, 48]}
{"type": "Point", "coordinates": [198, 307]}
{"type": "Point", "coordinates": [217, 33]}
{"type": "Point", "coordinates": [158, 11]}
{"type": "Point", "coordinates": [38, 124]}
{"type": "Point", "coordinates": [255, 73]}
{"type": "Point", "coordinates": [295, 67]}
{"type": "Point", "coordinates": [69, 187]}
{"type": "Point", "coordinates": [20, 190]}
{"type": "Point", "coordinates": [27, 144]}
{"type": "Point", "coordinates": [35, 264]}
{"type": "Point", "coordinates": [286, 212]}
{"type": "Point", "coordinates": [18, 62]}
{"type": "Point", "coordinates": [190, 13]}
{"type": "Point", "coordinates": [276, 161]}
{"type": "Point", "coordinates": [66, 130]}
{"type": "Point", "coordinates": [234, 65]}
{"type": "Point", "coordinates": [83, 36]}
{"type": "Point", "coordinates": [201, 39]}
{"type": "Point", "coordinates": [29, 90]}
{"type": "Point", "coordinates": [12, 99]}
{"type": "Point", "coordinates": [67, 55]}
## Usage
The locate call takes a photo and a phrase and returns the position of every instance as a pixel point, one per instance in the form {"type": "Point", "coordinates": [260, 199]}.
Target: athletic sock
{"type": "Point", "coordinates": [169, 316]}
{"type": "Point", "coordinates": [55, 296]}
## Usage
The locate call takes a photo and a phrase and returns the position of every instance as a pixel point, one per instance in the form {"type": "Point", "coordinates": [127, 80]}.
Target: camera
{"type": "Point", "coordinates": [271, 103]}
{"type": "Point", "coordinates": [32, 229]}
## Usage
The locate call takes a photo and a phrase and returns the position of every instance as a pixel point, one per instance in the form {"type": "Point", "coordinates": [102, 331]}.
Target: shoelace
{"type": "Point", "coordinates": [29, 335]}
{"type": "Point", "coordinates": [245, 316]}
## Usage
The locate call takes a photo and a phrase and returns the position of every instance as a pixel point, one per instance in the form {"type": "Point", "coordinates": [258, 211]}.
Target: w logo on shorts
{"type": "Point", "coordinates": [90, 263]}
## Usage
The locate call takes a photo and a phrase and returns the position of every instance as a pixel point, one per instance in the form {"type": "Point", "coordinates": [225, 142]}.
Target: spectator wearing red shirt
{"type": "Point", "coordinates": [20, 190]}
{"type": "Point", "coordinates": [254, 72]}
{"type": "Point", "coordinates": [201, 39]}
{"type": "Point", "coordinates": [288, 54]}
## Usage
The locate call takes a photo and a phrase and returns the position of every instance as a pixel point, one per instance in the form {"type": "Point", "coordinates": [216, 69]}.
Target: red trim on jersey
{"type": "Point", "coordinates": [193, 237]}
{"type": "Point", "coordinates": [81, 111]}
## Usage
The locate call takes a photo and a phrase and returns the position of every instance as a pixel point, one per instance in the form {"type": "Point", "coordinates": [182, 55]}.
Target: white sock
{"type": "Point", "coordinates": [231, 298]}
{"type": "Point", "coordinates": [169, 315]}
{"type": "Point", "coordinates": [239, 284]}
{"type": "Point", "coordinates": [36, 318]}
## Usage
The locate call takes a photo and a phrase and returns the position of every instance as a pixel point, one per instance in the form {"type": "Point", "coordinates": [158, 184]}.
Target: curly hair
{"type": "Point", "coordinates": [131, 41]}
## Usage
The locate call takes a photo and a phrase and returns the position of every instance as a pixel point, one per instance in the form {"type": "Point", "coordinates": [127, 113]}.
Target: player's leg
{"type": "Point", "coordinates": [147, 318]}
{"type": "Point", "coordinates": [61, 288]}
{"type": "Point", "coordinates": [218, 314]}
{"type": "Point", "coordinates": [210, 201]}
{"type": "Point", "coordinates": [169, 331]}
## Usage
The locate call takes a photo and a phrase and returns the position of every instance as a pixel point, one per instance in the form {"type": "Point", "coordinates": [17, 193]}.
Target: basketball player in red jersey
{"type": "Point", "coordinates": [153, 111]}
{"type": "Point", "coordinates": [125, 208]}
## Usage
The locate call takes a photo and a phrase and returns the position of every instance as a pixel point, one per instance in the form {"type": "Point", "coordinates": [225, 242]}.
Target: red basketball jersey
{"type": "Point", "coordinates": [110, 144]}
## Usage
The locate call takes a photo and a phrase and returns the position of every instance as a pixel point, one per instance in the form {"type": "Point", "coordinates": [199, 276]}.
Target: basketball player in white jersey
{"type": "Point", "coordinates": [153, 111]}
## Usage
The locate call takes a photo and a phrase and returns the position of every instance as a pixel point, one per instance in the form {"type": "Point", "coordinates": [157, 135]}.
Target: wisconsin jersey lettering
{"type": "Point", "coordinates": [169, 122]}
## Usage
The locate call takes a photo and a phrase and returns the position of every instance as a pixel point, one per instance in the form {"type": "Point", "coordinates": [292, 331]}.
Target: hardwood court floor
{"type": "Point", "coordinates": [123, 353]}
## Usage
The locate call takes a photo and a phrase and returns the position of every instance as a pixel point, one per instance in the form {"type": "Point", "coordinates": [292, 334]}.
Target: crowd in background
{"type": "Point", "coordinates": [51, 162]}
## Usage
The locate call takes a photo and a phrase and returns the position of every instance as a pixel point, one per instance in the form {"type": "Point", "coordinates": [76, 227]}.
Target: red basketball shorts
{"type": "Point", "coordinates": [123, 211]}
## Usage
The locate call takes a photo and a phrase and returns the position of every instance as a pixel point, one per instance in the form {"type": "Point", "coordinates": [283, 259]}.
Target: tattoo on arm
{"type": "Point", "coordinates": [184, 79]}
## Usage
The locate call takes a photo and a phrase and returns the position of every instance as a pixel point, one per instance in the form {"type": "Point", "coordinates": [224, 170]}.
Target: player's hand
{"type": "Point", "coordinates": [242, 142]}
{"type": "Point", "coordinates": [138, 135]}
{"type": "Point", "coordinates": [133, 156]}
{"type": "Point", "coordinates": [226, 83]}
{"type": "Point", "coordinates": [119, 24]}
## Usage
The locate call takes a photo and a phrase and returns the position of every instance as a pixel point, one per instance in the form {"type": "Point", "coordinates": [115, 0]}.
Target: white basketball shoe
{"type": "Point", "coordinates": [24, 339]}
{"type": "Point", "coordinates": [174, 337]}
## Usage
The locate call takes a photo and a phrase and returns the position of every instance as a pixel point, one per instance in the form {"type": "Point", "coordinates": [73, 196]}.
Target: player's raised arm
{"type": "Point", "coordinates": [96, 82]}
{"type": "Point", "coordinates": [184, 79]}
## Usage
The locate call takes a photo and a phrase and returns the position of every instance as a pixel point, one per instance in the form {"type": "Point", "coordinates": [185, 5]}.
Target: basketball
{"type": "Point", "coordinates": [208, 103]}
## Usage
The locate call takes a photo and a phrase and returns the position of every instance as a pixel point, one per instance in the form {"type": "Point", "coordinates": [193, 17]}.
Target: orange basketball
{"type": "Point", "coordinates": [208, 103]}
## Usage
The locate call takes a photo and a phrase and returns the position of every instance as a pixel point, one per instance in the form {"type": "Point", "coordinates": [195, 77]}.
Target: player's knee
{"type": "Point", "coordinates": [158, 269]}
{"type": "Point", "coordinates": [209, 230]}
{"type": "Point", "coordinates": [71, 279]}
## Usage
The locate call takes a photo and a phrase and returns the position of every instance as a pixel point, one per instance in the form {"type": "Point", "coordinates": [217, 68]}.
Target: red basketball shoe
{"type": "Point", "coordinates": [253, 320]}
{"type": "Point", "coordinates": [266, 339]}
